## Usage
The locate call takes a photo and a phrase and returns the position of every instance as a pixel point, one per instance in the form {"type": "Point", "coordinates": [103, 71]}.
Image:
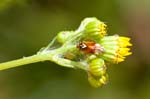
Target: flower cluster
{"type": "Point", "coordinates": [91, 48]}
{"type": "Point", "coordinates": [88, 48]}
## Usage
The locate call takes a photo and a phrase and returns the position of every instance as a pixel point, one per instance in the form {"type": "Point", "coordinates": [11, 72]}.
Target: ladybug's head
{"type": "Point", "coordinates": [82, 46]}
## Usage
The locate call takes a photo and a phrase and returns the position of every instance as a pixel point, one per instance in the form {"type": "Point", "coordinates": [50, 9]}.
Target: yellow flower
{"type": "Point", "coordinates": [103, 29]}
{"type": "Point", "coordinates": [116, 48]}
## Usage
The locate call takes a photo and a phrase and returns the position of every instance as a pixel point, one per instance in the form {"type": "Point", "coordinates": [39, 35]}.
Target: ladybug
{"type": "Point", "coordinates": [90, 47]}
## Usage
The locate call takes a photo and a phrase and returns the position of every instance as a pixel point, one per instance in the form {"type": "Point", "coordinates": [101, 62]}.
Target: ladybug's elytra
{"type": "Point", "coordinates": [90, 47]}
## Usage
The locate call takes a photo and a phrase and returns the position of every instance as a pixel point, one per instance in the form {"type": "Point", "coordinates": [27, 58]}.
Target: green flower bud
{"type": "Point", "coordinates": [97, 67]}
{"type": "Point", "coordinates": [93, 28]}
{"type": "Point", "coordinates": [98, 81]}
{"type": "Point", "coordinates": [63, 36]}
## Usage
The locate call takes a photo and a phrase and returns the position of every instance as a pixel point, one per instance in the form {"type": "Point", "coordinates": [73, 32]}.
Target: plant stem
{"type": "Point", "coordinates": [51, 55]}
{"type": "Point", "coordinates": [23, 61]}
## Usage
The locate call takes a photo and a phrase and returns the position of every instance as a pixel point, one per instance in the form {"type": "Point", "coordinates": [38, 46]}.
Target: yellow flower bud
{"type": "Point", "coordinates": [116, 48]}
{"type": "Point", "coordinates": [93, 28]}
{"type": "Point", "coordinates": [97, 81]}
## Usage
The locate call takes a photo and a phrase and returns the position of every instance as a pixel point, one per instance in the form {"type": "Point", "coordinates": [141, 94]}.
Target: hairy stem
{"type": "Point", "coordinates": [23, 61]}
{"type": "Point", "coordinates": [51, 55]}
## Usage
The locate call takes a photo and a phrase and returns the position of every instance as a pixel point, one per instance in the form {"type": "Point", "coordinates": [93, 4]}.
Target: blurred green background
{"type": "Point", "coordinates": [28, 25]}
